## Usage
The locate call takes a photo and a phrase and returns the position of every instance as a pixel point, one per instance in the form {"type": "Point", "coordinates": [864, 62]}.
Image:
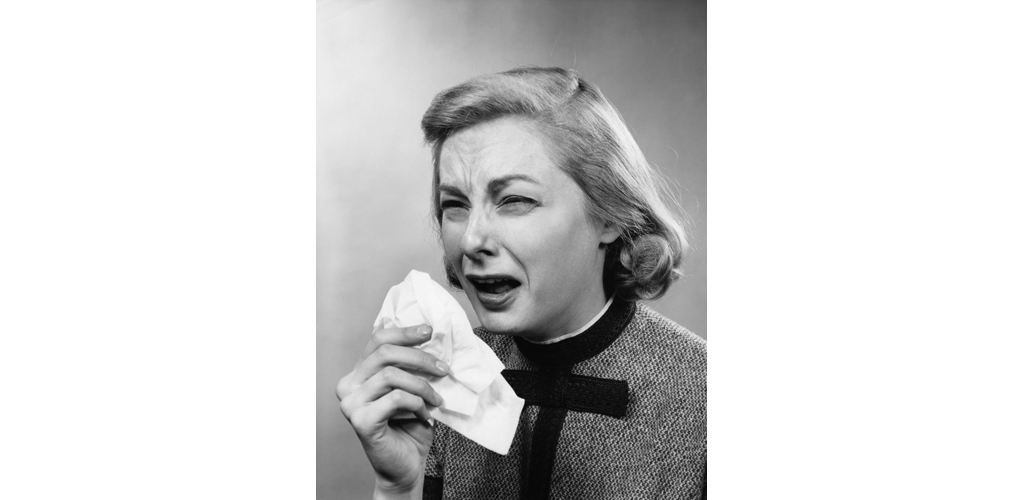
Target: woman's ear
{"type": "Point", "coordinates": [607, 233]}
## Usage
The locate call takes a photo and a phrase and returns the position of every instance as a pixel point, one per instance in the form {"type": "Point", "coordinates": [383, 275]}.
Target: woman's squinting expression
{"type": "Point", "coordinates": [516, 231]}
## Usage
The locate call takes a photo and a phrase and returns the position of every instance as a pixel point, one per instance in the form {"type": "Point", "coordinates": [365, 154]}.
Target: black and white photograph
{"type": "Point", "coordinates": [511, 250]}
{"type": "Point", "coordinates": [483, 227]}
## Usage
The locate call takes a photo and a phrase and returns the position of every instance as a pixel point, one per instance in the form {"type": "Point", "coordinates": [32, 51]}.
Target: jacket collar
{"type": "Point", "coordinates": [586, 345]}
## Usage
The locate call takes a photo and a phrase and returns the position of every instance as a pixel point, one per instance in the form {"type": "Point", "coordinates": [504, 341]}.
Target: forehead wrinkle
{"type": "Point", "coordinates": [478, 155]}
{"type": "Point", "coordinates": [466, 160]}
{"type": "Point", "coordinates": [454, 163]}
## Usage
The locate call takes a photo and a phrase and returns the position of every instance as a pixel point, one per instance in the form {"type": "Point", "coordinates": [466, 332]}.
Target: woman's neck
{"type": "Point", "coordinates": [577, 331]}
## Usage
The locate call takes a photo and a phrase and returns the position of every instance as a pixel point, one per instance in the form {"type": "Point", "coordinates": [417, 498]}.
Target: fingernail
{"type": "Point", "coordinates": [423, 331]}
{"type": "Point", "coordinates": [443, 368]}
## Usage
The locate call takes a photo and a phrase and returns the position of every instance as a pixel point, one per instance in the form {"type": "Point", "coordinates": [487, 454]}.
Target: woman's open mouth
{"type": "Point", "coordinates": [494, 291]}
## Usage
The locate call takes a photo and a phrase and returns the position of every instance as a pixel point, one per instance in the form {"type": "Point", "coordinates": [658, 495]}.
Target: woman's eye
{"type": "Point", "coordinates": [514, 199]}
{"type": "Point", "coordinates": [445, 205]}
{"type": "Point", "coordinates": [453, 209]}
{"type": "Point", "coordinates": [517, 203]}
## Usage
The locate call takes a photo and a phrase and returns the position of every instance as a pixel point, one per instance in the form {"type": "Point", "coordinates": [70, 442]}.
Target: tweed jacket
{"type": "Point", "coordinates": [618, 411]}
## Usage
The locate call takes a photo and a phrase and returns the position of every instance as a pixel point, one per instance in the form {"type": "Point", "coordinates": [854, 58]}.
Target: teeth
{"type": "Point", "coordinates": [489, 281]}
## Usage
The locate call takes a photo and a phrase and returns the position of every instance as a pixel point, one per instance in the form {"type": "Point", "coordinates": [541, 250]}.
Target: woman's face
{"type": "Point", "coordinates": [517, 234]}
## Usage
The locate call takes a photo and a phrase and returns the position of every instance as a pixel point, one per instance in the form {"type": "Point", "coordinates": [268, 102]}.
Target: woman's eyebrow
{"type": "Point", "coordinates": [496, 185]}
{"type": "Point", "coordinates": [449, 190]}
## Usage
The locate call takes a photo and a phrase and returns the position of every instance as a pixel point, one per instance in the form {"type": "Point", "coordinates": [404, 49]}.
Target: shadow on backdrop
{"type": "Point", "coordinates": [379, 63]}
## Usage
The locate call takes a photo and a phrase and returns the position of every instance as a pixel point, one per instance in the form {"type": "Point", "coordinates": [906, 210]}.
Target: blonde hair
{"type": "Point", "coordinates": [589, 141]}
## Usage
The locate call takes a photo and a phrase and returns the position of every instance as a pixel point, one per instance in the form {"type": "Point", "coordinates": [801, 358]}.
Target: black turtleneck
{"type": "Point", "coordinates": [584, 346]}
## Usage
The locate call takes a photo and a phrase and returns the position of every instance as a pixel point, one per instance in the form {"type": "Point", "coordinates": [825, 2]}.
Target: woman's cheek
{"type": "Point", "coordinates": [451, 236]}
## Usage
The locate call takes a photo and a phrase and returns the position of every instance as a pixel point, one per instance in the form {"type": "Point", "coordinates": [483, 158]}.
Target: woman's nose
{"type": "Point", "coordinates": [478, 241]}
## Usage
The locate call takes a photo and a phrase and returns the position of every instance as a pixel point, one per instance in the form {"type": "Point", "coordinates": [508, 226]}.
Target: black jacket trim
{"type": "Point", "coordinates": [586, 345]}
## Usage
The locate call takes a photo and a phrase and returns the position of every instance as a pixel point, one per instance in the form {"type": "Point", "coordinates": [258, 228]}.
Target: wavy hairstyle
{"type": "Point", "coordinates": [588, 140]}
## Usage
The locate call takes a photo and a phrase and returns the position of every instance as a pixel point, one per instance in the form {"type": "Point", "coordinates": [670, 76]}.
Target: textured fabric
{"type": "Point", "coordinates": [572, 392]}
{"type": "Point", "coordinates": [657, 449]}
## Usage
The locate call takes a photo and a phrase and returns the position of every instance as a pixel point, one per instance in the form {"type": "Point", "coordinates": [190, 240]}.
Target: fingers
{"type": "Point", "coordinates": [410, 336]}
{"type": "Point", "coordinates": [391, 378]}
{"type": "Point", "coordinates": [406, 358]}
{"type": "Point", "coordinates": [371, 420]}
{"type": "Point", "coordinates": [391, 347]}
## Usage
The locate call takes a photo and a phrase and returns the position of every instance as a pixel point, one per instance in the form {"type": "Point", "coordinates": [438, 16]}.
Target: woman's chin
{"type": "Point", "coordinates": [500, 323]}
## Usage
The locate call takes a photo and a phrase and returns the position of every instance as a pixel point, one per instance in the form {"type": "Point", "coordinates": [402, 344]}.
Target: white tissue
{"type": "Point", "coordinates": [478, 402]}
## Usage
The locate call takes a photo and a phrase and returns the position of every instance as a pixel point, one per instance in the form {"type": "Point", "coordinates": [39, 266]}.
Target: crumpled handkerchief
{"type": "Point", "coordinates": [478, 402]}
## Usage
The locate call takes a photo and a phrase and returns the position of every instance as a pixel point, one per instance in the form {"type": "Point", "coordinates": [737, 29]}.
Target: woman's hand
{"type": "Point", "coordinates": [382, 385]}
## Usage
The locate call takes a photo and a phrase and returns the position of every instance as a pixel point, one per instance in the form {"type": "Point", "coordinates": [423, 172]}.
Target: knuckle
{"type": "Point", "coordinates": [376, 337]}
{"type": "Point", "coordinates": [386, 350]}
{"type": "Point", "coordinates": [343, 388]}
{"type": "Point", "coordinates": [389, 375]}
{"type": "Point", "coordinates": [396, 397]}
{"type": "Point", "coordinates": [358, 421]}
{"type": "Point", "coordinates": [346, 408]}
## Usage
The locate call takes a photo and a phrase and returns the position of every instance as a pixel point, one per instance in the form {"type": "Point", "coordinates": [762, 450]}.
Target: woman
{"type": "Point", "coordinates": [553, 225]}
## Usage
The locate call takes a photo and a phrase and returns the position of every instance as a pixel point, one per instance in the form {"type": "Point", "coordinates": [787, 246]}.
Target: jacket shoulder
{"type": "Point", "coordinates": [668, 333]}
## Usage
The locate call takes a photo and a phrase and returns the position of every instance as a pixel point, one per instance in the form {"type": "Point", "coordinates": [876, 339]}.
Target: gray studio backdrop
{"type": "Point", "coordinates": [379, 63]}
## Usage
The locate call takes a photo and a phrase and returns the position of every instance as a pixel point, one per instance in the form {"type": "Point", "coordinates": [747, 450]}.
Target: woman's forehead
{"type": "Point", "coordinates": [474, 157]}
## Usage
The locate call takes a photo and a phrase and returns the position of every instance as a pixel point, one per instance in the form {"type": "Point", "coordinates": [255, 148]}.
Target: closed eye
{"type": "Point", "coordinates": [517, 204]}
{"type": "Point", "coordinates": [515, 199]}
{"type": "Point", "coordinates": [446, 204]}
{"type": "Point", "coordinates": [454, 210]}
